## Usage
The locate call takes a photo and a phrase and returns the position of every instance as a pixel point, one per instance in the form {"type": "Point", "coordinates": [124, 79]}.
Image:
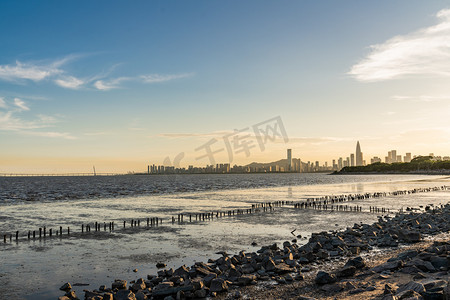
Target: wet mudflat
{"type": "Point", "coordinates": [35, 269]}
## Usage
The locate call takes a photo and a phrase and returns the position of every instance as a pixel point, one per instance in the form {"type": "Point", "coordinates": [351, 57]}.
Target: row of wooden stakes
{"type": "Point", "coordinates": [156, 221]}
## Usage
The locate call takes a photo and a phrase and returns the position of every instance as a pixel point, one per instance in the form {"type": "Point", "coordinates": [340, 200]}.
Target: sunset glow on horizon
{"type": "Point", "coordinates": [120, 86]}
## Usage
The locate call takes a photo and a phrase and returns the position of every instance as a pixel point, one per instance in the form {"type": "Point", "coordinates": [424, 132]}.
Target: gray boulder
{"type": "Point", "coordinates": [324, 278]}
{"type": "Point", "coordinates": [218, 285]}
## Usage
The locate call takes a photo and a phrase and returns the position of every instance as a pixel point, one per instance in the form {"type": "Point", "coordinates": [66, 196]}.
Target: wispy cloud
{"type": "Point", "coordinates": [2, 103]}
{"type": "Point", "coordinates": [155, 78]}
{"type": "Point", "coordinates": [20, 104]}
{"type": "Point", "coordinates": [21, 71]}
{"type": "Point", "coordinates": [424, 52]}
{"type": "Point", "coordinates": [115, 83]}
{"type": "Point", "coordinates": [51, 134]}
{"type": "Point", "coordinates": [105, 85]}
{"type": "Point", "coordinates": [53, 71]}
{"type": "Point", "coordinates": [34, 71]}
{"type": "Point", "coordinates": [70, 82]}
{"type": "Point", "coordinates": [215, 134]}
{"type": "Point", "coordinates": [420, 98]}
{"type": "Point", "coordinates": [11, 120]}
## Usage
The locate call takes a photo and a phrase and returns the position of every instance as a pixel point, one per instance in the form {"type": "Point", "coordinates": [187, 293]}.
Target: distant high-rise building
{"type": "Point", "coordinates": [375, 159]}
{"type": "Point", "coordinates": [289, 159]}
{"type": "Point", "coordinates": [358, 155]}
{"type": "Point", "coordinates": [399, 158]}
{"type": "Point", "coordinates": [407, 157]}
{"type": "Point", "coordinates": [340, 163]}
{"type": "Point", "coordinates": [352, 159]}
{"type": "Point", "coordinates": [393, 156]}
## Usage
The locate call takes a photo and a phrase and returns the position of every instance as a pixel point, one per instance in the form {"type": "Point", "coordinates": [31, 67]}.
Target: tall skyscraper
{"type": "Point", "coordinates": [352, 160]}
{"type": "Point", "coordinates": [393, 156]}
{"type": "Point", "coordinates": [289, 159]}
{"type": "Point", "coordinates": [359, 155]}
{"type": "Point", "coordinates": [407, 157]}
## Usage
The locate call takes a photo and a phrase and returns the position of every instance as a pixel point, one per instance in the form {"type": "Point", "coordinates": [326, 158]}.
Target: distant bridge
{"type": "Point", "coordinates": [57, 174]}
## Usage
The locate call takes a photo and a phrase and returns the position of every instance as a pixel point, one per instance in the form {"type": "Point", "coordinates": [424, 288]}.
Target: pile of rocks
{"type": "Point", "coordinates": [429, 270]}
{"type": "Point", "coordinates": [287, 263]}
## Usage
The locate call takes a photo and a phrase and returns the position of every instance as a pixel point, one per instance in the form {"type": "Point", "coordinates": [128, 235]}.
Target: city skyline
{"type": "Point", "coordinates": [170, 77]}
{"type": "Point", "coordinates": [290, 164]}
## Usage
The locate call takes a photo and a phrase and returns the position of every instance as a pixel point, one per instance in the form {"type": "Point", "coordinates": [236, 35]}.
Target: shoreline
{"type": "Point", "coordinates": [229, 276]}
{"type": "Point", "coordinates": [438, 173]}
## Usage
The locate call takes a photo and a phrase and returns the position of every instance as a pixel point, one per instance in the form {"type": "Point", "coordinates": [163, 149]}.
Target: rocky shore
{"type": "Point", "coordinates": [334, 264]}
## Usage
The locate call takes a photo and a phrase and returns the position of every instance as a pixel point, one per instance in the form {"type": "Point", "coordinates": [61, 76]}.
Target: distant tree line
{"type": "Point", "coordinates": [418, 164]}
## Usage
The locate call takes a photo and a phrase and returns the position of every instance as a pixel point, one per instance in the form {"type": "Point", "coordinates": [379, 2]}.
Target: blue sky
{"type": "Point", "coordinates": [123, 84]}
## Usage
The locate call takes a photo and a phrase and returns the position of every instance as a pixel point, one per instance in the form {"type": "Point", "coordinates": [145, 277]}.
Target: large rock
{"type": "Point", "coordinates": [71, 295]}
{"type": "Point", "coordinates": [440, 263]}
{"type": "Point", "coordinates": [357, 262]}
{"type": "Point", "coordinates": [66, 287]}
{"type": "Point", "coordinates": [207, 279]}
{"type": "Point", "coordinates": [203, 271]}
{"type": "Point", "coordinates": [198, 283]}
{"type": "Point", "coordinates": [423, 265]}
{"type": "Point", "coordinates": [346, 271]}
{"type": "Point", "coordinates": [140, 296]}
{"type": "Point", "coordinates": [388, 266]}
{"type": "Point", "coordinates": [119, 284]}
{"type": "Point", "coordinates": [171, 290]}
{"type": "Point", "coordinates": [283, 269]}
{"type": "Point", "coordinates": [246, 279]}
{"type": "Point", "coordinates": [409, 295]}
{"type": "Point", "coordinates": [124, 295]}
{"type": "Point", "coordinates": [413, 286]}
{"type": "Point", "coordinates": [182, 271]}
{"type": "Point", "coordinates": [218, 285]}
{"type": "Point", "coordinates": [324, 278]}
{"type": "Point", "coordinates": [163, 286]}
{"type": "Point", "coordinates": [409, 236]}
{"type": "Point", "coordinates": [139, 285]}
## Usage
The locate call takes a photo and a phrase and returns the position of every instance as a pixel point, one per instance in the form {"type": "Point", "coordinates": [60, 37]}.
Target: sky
{"type": "Point", "coordinates": [121, 85]}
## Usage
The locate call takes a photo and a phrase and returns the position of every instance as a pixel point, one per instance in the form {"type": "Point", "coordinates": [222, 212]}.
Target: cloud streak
{"type": "Point", "coordinates": [70, 82]}
{"type": "Point", "coordinates": [20, 104]}
{"type": "Point", "coordinates": [423, 52]}
{"type": "Point", "coordinates": [28, 71]}
{"type": "Point", "coordinates": [421, 98]}
{"type": "Point", "coordinates": [10, 120]}
{"type": "Point", "coordinates": [156, 78]}
{"type": "Point", "coordinates": [21, 72]}
{"type": "Point", "coordinates": [2, 103]}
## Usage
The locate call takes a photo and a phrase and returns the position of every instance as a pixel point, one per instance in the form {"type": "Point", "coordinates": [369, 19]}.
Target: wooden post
{"type": "Point", "coordinates": [4, 238]}
{"type": "Point", "coordinates": [50, 232]}
{"type": "Point", "coordinates": [82, 228]}
{"type": "Point", "coordinates": [29, 234]}
{"type": "Point", "coordinates": [17, 235]}
{"type": "Point", "coordinates": [40, 232]}
{"type": "Point", "coordinates": [60, 230]}
{"type": "Point", "coordinates": [68, 230]}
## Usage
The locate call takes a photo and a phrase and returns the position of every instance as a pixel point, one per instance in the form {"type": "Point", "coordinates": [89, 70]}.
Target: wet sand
{"type": "Point", "coordinates": [36, 269]}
